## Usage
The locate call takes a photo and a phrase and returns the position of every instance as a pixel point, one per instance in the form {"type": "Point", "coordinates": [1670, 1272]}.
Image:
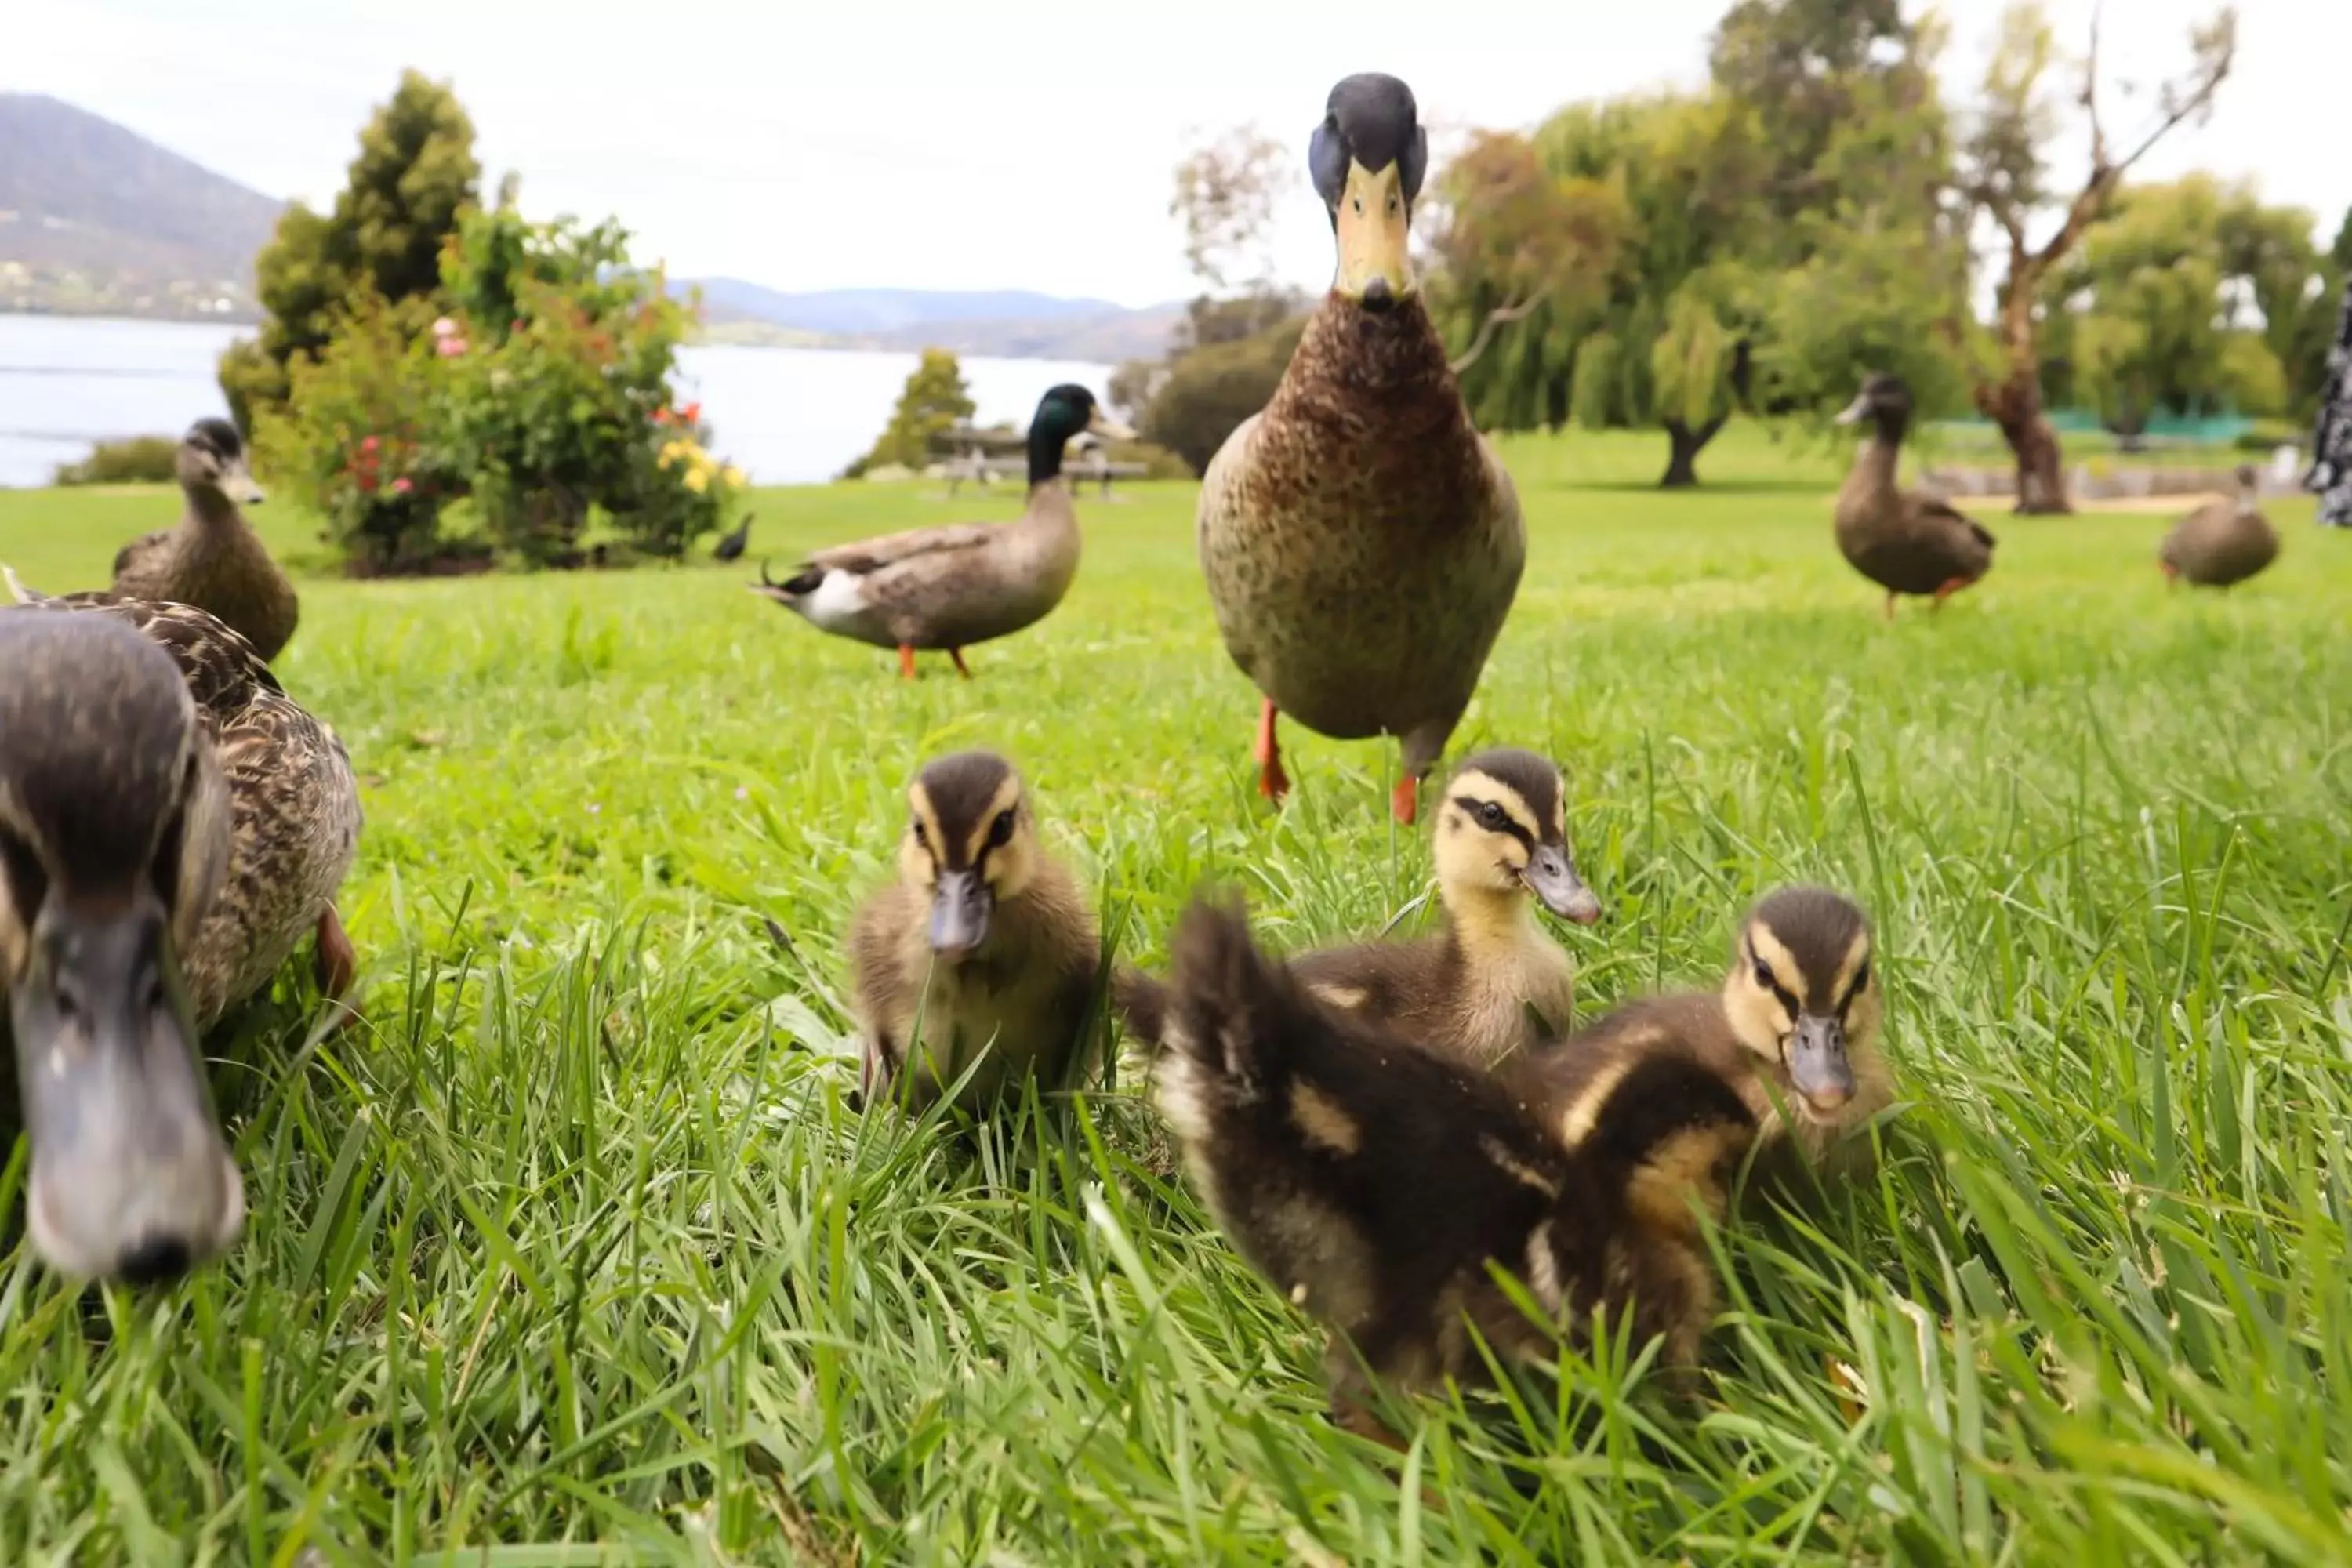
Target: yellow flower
{"type": "Point", "coordinates": [734, 476]}
{"type": "Point", "coordinates": [697, 480]}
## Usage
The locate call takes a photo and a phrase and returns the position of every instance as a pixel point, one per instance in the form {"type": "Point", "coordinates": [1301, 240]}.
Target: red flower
{"type": "Point", "coordinates": [661, 415]}
{"type": "Point", "coordinates": [401, 487]}
{"type": "Point", "coordinates": [369, 444]}
{"type": "Point", "coordinates": [691, 414]}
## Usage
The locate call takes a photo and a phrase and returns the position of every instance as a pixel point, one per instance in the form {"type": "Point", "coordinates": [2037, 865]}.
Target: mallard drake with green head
{"type": "Point", "coordinates": [1361, 540]}
{"type": "Point", "coordinates": [1906, 542]}
{"type": "Point", "coordinates": [214, 560]}
{"type": "Point", "coordinates": [172, 825]}
{"type": "Point", "coordinates": [953, 586]}
{"type": "Point", "coordinates": [2222, 543]}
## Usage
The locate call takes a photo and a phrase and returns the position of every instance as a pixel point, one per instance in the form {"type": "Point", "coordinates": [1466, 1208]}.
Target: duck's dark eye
{"type": "Point", "coordinates": [1000, 832]}
{"type": "Point", "coordinates": [922, 842]}
{"type": "Point", "coordinates": [1861, 979]}
{"type": "Point", "coordinates": [1491, 815]}
{"type": "Point", "coordinates": [1764, 975]}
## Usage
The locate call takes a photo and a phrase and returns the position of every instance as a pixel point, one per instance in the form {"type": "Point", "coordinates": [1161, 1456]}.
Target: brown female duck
{"type": "Point", "coordinates": [1361, 541]}
{"type": "Point", "coordinates": [214, 560]}
{"type": "Point", "coordinates": [1906, 542]}
{"type": "Point", "coordinates": [2222, 543]}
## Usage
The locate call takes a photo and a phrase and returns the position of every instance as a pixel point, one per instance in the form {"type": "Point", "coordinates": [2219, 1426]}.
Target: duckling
{"type": "Point", "coordinates": [966, 583]}
{"type": "Point", "coordinates": [983, 941]}
{"type": "Point", "coordinates": [2222, 543]}
{"type": "Point", "coordinates": [1492, 983]}
{"type": "Point", "coordinates": [1794, 1029]}
{"type": "Point", "coordinates": [1372, 1179]}
{"type": "Point", "coordinates": [1906, 542]}
{"type": "Point", "coordinates": [730, 546]}
{"type": "Point", "coordinates": [1361, 541]}
{"type": "Point", "coordinates": [214, 560]}
{"type": "Point", "coordinates": [171, 825]}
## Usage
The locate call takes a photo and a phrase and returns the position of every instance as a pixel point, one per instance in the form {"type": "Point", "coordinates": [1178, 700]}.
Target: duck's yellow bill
{"type": "Point", "coordinates": [1373, 266]}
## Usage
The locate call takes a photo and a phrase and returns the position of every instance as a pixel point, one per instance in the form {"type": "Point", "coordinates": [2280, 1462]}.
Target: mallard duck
{"type": "Point", "coordinates": [963, 583]}
{"type": "Point", "coordinates": [2222, 543]}
{"type": "Point", "coordinates": [984, 942]}
{"type": "Point", "coordinates": [1906, 542]}
{"type": "Point", "coordinates": [730, 546]}
{"type": "Point", "coordinates": [214, 560]}
{"type": "Point", "coordinates": [1794, 1029]}
{"type": "Point", "coordinates": [170, 826]}
{"type": "Point", "coordinates": [1361, 540]}
{"type": "Point", "coordinates": [1373, 1179]}
{"type": "Point", "coordinates": [1492, 983]}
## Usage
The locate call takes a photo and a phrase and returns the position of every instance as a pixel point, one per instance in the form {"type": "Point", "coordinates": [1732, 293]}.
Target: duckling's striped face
{"type": "Point", "coordinates": [970, 844]}
{"type": "Point", "coordinates": [1503, 829]}
{"type": "Point", "coordinates": [1804, 992]}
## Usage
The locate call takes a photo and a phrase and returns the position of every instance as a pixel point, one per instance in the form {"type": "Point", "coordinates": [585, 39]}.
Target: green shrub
{"type": "Point", "coordinates": [2266, 435]}
{"type": "Point", "coordinates": [1210, 391]}
{"type": "Point", "coordinates": [137, 460]}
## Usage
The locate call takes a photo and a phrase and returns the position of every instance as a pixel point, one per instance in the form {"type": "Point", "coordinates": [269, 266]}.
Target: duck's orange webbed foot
{"type": "Point", "coordinates": [337, 963]}
{"type": "Point", "coordinates": [961, 667]}
{"type": "Point", "coordinates": [1404, 801]}
{"type": "Point", "coordinates": [1272, 782]}
{"type": "Point", "coordinates": [905, 661]}
{"type": "Point", "coordinates": [1948, 590]}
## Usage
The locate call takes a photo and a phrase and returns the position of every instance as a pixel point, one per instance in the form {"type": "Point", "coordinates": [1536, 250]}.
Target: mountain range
{"type": "Point", "coordinates": [95, 219]}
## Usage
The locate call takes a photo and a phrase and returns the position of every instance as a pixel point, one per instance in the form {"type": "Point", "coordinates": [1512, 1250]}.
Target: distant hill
{"type": "Point", "coordinates": [1009, 323]}
{"type": "Point", "coordinates": [95, 217]}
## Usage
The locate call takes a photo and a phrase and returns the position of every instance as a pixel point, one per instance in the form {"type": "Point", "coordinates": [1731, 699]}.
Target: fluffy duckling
{"type": "Point", "coordinates": [1794, 1029]}
{"type": "Point", "coordinates": [1493, 982]}
{"type": "Point", "coordinates": [214, 560]}
{"type": "Point", "coordinates": [1372, 1179]}
{"type": "Point", "coordinates": [1906, 542]}
{"type": "Point", "coordinates": [984, 943]}
{"type": "Point", "coordinates": [2222, 543]}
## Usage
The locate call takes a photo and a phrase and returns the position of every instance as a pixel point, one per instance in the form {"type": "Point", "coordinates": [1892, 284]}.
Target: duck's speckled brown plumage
{"type": "Point", "coordinates": [2222, 543]}
{"type": "Point", "coordinates": [1363, 542]}
{"type": "Point", "coordinates": [293, 818]}
{"type": "Point", "coordinates": [213, 559]}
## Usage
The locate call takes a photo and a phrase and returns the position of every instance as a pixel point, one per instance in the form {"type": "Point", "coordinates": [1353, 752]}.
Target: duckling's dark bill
{"type": "Point", "coordinates": [130, 1177]}
{"type": "Point", "coordinates": [1820, 1067]}
{"type": "Point", "coordinates": [960, 910]}
{"type": "Point", "coordinates": [1557, 886]}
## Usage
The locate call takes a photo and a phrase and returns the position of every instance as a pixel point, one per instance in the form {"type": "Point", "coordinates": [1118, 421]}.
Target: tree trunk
{"type": "Point", "coordinates": [2015, 405]}
{"type": "Point", "coordinates": [1685, 445]}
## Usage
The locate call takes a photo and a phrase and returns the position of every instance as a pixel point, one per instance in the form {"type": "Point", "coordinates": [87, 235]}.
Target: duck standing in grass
{"type": "Point", "coordinates": [984, 942]}
{"type": "Point", "coordinates": [1375, 1182]}
{"type": "Point", "coordinates": [1906, 542]}
{"type": "Point", "coordinates": [2222, 543]}
{"type": "Point", "coordinates": [953, 586]}
{"type": "Point", "coordinates": [171, 826]}
{"type": "Point", "coordinates": [214, 560]}
{"type": "Point", "coordinates": [1493, 983]}
{"type": "Point", "coordinates": [1361, 541]}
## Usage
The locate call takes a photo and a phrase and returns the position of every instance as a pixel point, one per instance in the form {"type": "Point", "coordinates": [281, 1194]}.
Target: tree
{"type": "Point", "coordinates": [1225, 193]}
{"type": "Point", "coordinates": [415, 173]}
{"type": "Point", "coordinates": [1208, 392]}
{"type": "Point", "coordinates": [934, 401]}
{"type": "Point", "coordinates": [2005, 174]}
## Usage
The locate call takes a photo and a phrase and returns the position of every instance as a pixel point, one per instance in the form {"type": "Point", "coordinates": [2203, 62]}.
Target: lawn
{"type": "Point", "coordinates": [576, 1242]}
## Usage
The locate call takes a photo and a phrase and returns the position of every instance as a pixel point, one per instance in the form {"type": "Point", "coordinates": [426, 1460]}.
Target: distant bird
{"type": "Point", "coordinates": [1361, 541]}
{"type": "Point", "coordinates": [214, 560]}
{"type": "Point", "coordinates": [953, 586]}
{"type": "Point", "coordinates": [2222, 543]}
{"type": "Point", "coordinates": [1906, 542]}
{"type": "Point", "coordinates": [172, 825]}
{"type": "Point", "coordinates": [730, 548]}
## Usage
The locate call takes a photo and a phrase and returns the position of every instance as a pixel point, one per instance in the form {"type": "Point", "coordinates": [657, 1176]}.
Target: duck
{"type": "Point", "coordinates": [214, 560]}
{"type": "Point", "coordinates": [951, 587]}
{"type": "Point", "coordinates": [1906, 542]}
{"type": "Point", "coordinates": [1361, 541]}
{"type": "Point", "coordinates": [2222, 543]}
{"type": "Point", "coordinates": [1492, 983]}
{"type": "Point", "coordinates": [1794, 1029]}
{"type": "Point", "coordinates": [1372, 1178]}
{"type": "Point", "coordinates": [984, 942]}
{"type": "Point", "coordinates": [730, 546]}
{"type": "Point", "coordinates": [172, 825]}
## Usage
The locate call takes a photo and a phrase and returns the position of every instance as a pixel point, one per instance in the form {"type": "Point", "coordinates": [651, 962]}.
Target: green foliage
{"type": "Point", "coordinates": [1210, 391]}
{"type": "Point", "coordinates": [415, 172]}
{"type": "Point", "coordinates": [573, 1240]}
{"type": "Point", "coordinates": [934, 401]}
{"type": "Point", "coordinates": [135, 461]}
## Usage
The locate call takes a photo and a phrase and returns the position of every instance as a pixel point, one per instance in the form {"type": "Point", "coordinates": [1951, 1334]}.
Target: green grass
{"type": "Point", "coordinates": [576, 1243]}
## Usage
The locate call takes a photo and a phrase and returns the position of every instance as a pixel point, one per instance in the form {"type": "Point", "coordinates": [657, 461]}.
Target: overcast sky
{"type": "Point", "coordinates": [1001, 146]}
